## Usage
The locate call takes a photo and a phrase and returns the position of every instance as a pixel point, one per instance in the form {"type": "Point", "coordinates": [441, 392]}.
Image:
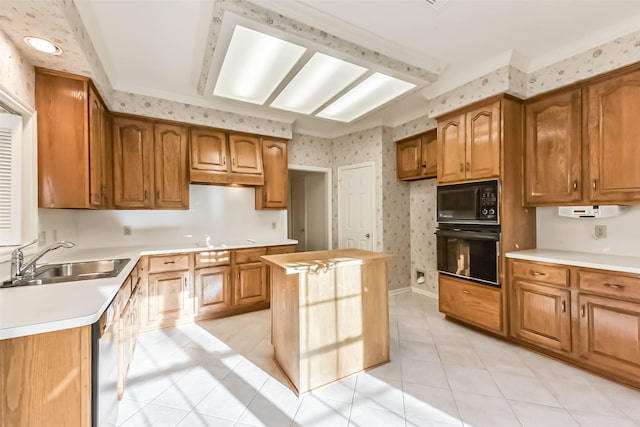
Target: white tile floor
{"type": "Point", "coordinates": [221, 373]}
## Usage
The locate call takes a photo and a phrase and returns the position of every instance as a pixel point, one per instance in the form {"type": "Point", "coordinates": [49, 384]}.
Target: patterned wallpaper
{"type": "Point", "coordinates": [423, 225]}
{"type": "Point", "coordinates": [310, 151]}
{"type": "Point", "coordinates": [413, 127]}
{"type": "Point", "coordinates": [131, 103]}
{"type": "Point", "coordinates": [16, 72]}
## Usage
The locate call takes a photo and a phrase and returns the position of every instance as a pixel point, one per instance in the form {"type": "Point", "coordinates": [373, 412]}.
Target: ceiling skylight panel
{"type": "Point", "coordinates": [322, 78]}
{"type": "Point", "coordinates": [254, 65]}
{"type": "Point", "coordinates": [368, 95]}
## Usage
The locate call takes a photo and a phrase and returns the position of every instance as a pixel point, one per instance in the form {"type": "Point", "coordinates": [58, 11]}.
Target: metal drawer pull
{"type": "Point", "coordinates": [537, 273]}
{"type": "Point", "coordinates": [169, 262]}
{"type": "Point", "coordinates": [582, 311]}
{"type": "Point", "coordinates": [465, 291]}
{"type": "Point", "coordinates": [614, 286]}
{"type": "Point", "coordinates": [575, 185]}
{"type": "Point", "coordinates": [594, 184]}
{"type": "Point", "coordinates": [461, 167]}
{"type": "Point", "coordinates": [564, 306]}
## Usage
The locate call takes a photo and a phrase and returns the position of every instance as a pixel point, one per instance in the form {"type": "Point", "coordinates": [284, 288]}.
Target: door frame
{"type": "Point", "coordinates": [327, 172]}
{"type": "Point", "coordinates": [374, 231]}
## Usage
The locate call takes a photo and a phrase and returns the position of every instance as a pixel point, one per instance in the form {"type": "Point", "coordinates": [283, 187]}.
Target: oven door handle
{"type": "Point", "coordinates": [468, 234]}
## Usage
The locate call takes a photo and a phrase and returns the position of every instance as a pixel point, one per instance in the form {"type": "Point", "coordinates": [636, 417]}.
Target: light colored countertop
{"type": "Point", "coordinates": [625, 264]}
{"type": "Point", "coordinates": [28, 310]}
{"type": "Point", "coordinates": [322, 260]}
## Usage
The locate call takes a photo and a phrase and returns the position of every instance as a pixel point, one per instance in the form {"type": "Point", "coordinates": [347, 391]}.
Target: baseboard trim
{"type": "Point", "coordinates": [424, 292]}
{"type": "Point", "coordinates": [399, 291]}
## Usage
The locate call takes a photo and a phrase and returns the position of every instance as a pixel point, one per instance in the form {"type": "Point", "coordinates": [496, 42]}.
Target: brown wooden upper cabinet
{"type": "Point", "coordinates": [613, 119]}
{"type": "Point", "coordinates": [73, 142]}
{"type": "Point", "coordinates": [150, 164]}
{"type": "Point", "coordinates": [218, 157]}
{"type": "Point", "coordinates": [565, 165]}
{"type": "Point", "coordinates": [469, 144]}
{"type": "Point", "coordinates": [274, 193]}
{"type": "Point", "coordinates": [553, 149]}
{"type": "Point", "coordinates": [416, 157]}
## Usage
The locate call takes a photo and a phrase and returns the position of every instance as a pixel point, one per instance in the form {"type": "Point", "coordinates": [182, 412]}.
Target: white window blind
{"type": "Point", "coordinates": [10, 180]}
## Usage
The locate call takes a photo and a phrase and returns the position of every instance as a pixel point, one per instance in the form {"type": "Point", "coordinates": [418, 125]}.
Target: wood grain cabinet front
{"type": "Point", "coordinates": [275, 191]}
{"type": "Point", "coordinates": [150, 164]}
{"type": "Point", "coordinates": [213, 291]}
{"type": "Point", "coordinates": [469, 144]}
{"type": "Point", "coordinates": [74, 143]}
{"type": "Point", "coordinates": [416, 157]}
{"type": "Point", "coordinates": [250, 284]}
{"type": "Point", "coordinates": [219, 157]}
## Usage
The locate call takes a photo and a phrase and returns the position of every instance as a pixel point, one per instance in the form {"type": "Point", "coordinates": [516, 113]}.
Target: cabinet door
{"type": "Point", "coordinates": [169, 297]}
{"type": "Point", "coordinates": [209, 150]}
{"type": "Point", "coordinates": [408, 158]}
{"type": "Point", "coordinates": [451, 149]}
{"type": "Point", "coordinates": [274, 193]}
{"type": "Point", "coordinates": [483, 142]}
{"type": "Point", "coordinates": [541, 315]}
{"type": "Point", "coordinates": [246, 154]}
{"type": "Point", "coordinates": [610, 334]}
{"type": "Point", "coordinates": [250, 284]}
{"type": "Point", "coordinates": [132, 163]}
{"type": "Point", "coordinates": [553, 150]}
{"type": "Point", "coordinates": [614, 139]}
{"type": "Point", "coordinates": [429, 154]}
{"type": "Point", "coordinates": [213, 293]}
{"type": "Point", "coordinates": [171, 181]}
{"type": "Point", "coordinates": [97, 150]}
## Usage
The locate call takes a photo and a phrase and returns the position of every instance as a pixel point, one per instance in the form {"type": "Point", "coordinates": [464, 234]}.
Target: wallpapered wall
{"type": "Point", "coordinates": [16, 72]}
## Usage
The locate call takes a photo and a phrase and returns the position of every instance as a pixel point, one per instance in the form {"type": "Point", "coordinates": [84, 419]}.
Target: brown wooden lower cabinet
{"type": "Point", "coordinates": [169, 298]}
{"type": "Point", "coordinates": [477, 304]}
{"type": "Point", "coordinates": [610, 334]}
{"type": "Point", "coordinates": [213, 291]}
{"type": "Point", "coordinates": [541, 315]}
{"type": "Point", "coordinates": [250, 284]}
{"type": "Point", "coordinates": [46, 379]}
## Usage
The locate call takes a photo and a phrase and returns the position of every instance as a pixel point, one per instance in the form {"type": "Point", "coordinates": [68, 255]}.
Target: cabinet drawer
{"type": "Point", "coordinates": [159, 264]}
{"type": "Point", "coordinates": [212, 258]}
{"type": "Point", "coordinates": [243, 256]}
{"type": "Point", "coordinates": [616, 285]}
{"type": "Point", "coordinates": [549, 274]}
{"type": "Point", "coordinates": [275, 250]}
{"type": "Point", "coordinates": [477, 304]}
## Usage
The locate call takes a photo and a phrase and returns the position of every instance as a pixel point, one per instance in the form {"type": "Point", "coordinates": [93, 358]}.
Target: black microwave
{"type": "Point", "coordinates": [470, 203]}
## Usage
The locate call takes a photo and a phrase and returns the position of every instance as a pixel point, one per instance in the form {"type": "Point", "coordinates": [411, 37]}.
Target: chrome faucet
{"type": "Point", "coordinates": [21, 270]}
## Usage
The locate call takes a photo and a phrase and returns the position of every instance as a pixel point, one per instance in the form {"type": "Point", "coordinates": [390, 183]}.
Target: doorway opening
{"type": "Point", "coordinates": [309, 211]}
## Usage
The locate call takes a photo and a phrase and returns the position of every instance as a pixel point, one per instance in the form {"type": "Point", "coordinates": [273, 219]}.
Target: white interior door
{"type": "Point", "coordinates": [356, 206]}
{"type": "Point", "coordinates": [298, 213]}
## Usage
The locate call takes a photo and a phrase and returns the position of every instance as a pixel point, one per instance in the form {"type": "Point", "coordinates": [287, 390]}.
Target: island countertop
{"type": "Point", "coordinates": [28, 310]}
{"type": "Point", "coordinates": [322, 260]}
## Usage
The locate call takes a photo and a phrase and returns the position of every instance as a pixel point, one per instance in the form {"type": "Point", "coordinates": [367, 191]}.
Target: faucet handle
{"type": "Point", "coordinates": [19, 249]}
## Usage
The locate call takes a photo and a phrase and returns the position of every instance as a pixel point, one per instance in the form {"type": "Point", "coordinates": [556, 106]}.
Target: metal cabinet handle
{"type": "Point", "coordinates": [146, 194]}
{"type": "Point", "coordinates": [583, 311]}
{"type": "Point", "coordinates": [367, 235]}
{"type": "Point", "coordinates": [424, 164]}
{"type": "Point", "coordinates": [575, 185]}
{"type": "Point", "coordinates": [468, 166]}
{"type": "Point", "coordinates": [233, 160]}
{"type": "Point", "coordinates": [157, 194]}
{"type": "Point", "coordinates": [224, 160]}
{"type": "Point", "coordinates": [594, 184]}
{"type": "Point", "coordinates": [464, 291]}
{"type": "Point", "coordinates": [614, 286]}
{"type": "Point", "coordinates": [461, 167]}
{"type": "Point", "coordinates": [537, 273]}
{"type": "Point", "coordinates": [169, 262]}
{"type": "Point", "coordinates": [564, 306]}
{"type": "Point", "coordinates": [184, 281]}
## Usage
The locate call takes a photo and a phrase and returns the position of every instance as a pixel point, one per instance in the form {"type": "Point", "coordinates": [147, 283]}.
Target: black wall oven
{"type": "Point", "coordinates": [468, 234]}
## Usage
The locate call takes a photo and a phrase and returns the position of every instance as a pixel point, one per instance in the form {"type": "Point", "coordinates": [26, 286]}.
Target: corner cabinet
{"type": "Point", "coordinates": [73, 142]}
{"type": "Point", "coordinates": [416, 157]}
{"type": "Point", "coordinates": [469, 144]}
{"type": "Point", "coordinates": [274, 193]}
{"type": "Point", "coordinates": [218, 157]}
{"type": "Point", "coordinates": [150, 164]}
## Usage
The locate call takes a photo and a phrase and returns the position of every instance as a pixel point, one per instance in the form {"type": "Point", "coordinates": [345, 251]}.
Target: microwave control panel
{"type": "Point", "coordinates": [489, 202]}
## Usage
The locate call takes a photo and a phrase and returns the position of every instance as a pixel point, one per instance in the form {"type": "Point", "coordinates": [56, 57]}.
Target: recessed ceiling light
{"type": "Point", "coordinates": [322, 78]}
{"type": "Point", "coordinates": [43, 45]}
{"type": "Point", "coordinates": [368, 95]}
{"type": "Point", "coordinates": [254, 65]}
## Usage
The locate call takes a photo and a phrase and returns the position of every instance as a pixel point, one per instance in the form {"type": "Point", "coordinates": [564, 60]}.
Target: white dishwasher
{"type": "Point", "coordinates": [104, 368]}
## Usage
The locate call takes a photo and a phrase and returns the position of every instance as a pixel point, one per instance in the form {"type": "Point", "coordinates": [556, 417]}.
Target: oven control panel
{"type": "Point", "coordinates": [489, 202]}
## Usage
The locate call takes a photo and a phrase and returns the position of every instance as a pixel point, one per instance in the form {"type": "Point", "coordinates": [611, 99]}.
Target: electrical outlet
{"type": "Point", "coordinates": [274, 225]}
{"type": "Point", "coordinates": [600, 232]}
{"type": "Point", "coordinates": [126, 230]}
{"type": "Point", "coordinates": [42, 237]}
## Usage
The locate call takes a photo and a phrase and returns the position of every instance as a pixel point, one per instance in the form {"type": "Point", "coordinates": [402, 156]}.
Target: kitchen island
{"type": "Point", "coordinates": [329, 314]}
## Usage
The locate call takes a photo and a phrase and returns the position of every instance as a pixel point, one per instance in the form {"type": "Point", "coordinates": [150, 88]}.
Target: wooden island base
{"type": "Point", "coordinates": [329, 314]}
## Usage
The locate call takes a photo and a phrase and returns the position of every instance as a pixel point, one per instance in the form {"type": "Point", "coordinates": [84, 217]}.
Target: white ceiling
{"type": "Point", "coordinates": [157, 48]}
